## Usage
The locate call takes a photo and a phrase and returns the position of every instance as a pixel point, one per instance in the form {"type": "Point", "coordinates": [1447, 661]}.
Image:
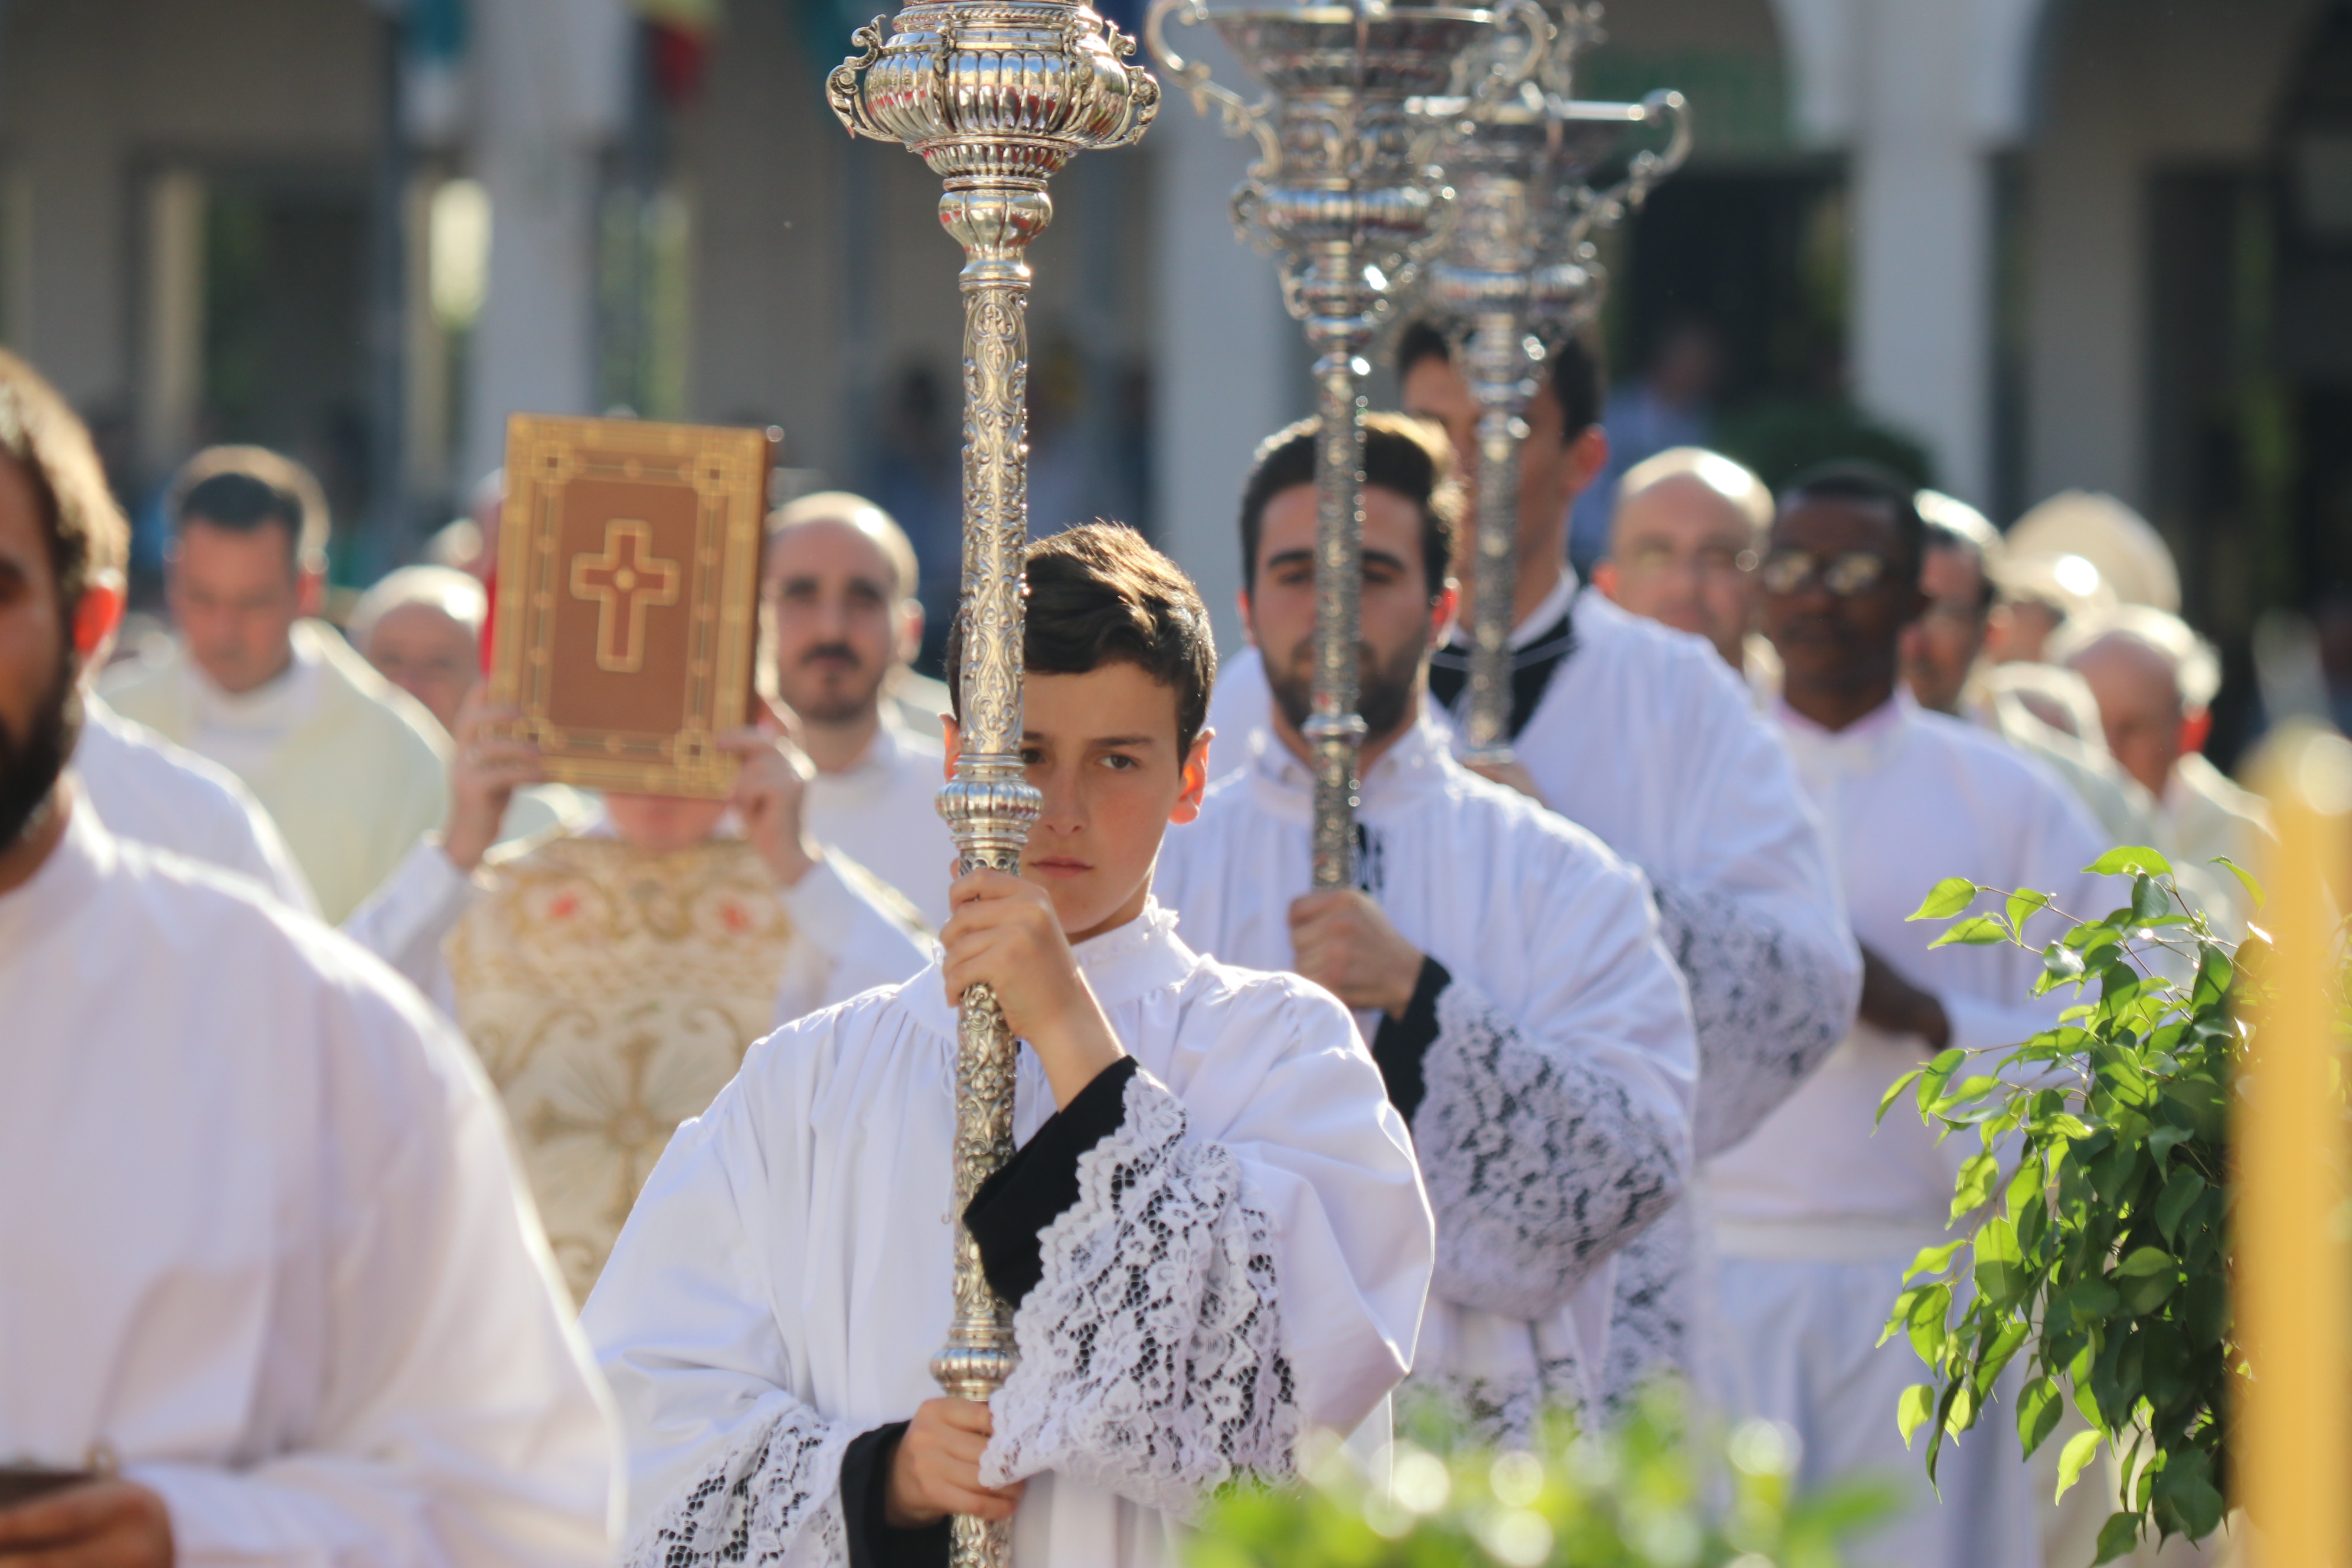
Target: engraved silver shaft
{"type": "Point", "coordinates": [996, 95]}
{"type": "Point", "coordinates": [1335, 730]}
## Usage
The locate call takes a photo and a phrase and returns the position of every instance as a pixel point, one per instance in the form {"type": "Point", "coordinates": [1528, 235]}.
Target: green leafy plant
{"type": "Point", "coordinates": [2095, 1205]}
{"type": "Point", "coordinates": [1638, 1497]}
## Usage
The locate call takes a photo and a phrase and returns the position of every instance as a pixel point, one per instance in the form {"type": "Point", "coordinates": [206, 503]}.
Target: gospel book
{"type": "Point", "coordinates": [629, 597]}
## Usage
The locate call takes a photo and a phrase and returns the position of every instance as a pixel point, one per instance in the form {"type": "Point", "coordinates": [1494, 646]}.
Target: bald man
{"type": "Point", "coordinates": [2155, 680]}
{"type": "Point", "coordinates": [420, 627]}
{"type": "Point", "coordinates": [1689, 527]}
{"type": "Point", "coordinates": [840, 616]}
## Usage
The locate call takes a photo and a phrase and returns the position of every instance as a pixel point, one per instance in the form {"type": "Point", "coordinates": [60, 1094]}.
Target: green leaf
{"type": "Point", "coordinates": [1970, 1088]}
{"type": "Point", "coordinates": [2073, 1456]}
{"type": "Point", "coordinates": [1897, 1086]}
{"type": "Point", "coordinates": [2038, 1410]}
{"type": "Point", "coordinates": [2024, 902]}
{"type": "Point", "coordinates": [1977, 931]}
{"type": "Point", "coordinates": [2129, 858]}
{"type": "Point", "coordinates": [2000, 1271]}
{"type": "Point", "coordinates": [1947, 897]}
{"type": "Point", "coordinates": [1978, 1175]}
{"type": "Point", "coordinates": [1913, 1410]}
{"type": "Point", "coordinates": [1928, 1333]}
{"type": "Point", "coordinates": [2117, 1536]}
{"type": "Point", "coordinates": [2061, 963]}
{"type": "Point", "coordinates": [2145, 1261]}
{"type": "Point", "coordinates": [2245, 877]}
{"type": "Point", "coordinates": [2164, 1140]}
{"type": "Point", "coordinates": [1933, 1260]}
{"type": "Point", "coordinates": [2148, 901]}
{"type": "Point", "coordinates": [2181, 1190]}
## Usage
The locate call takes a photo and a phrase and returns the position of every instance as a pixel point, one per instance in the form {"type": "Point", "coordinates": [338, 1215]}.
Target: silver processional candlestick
{"type": "Point", "coordinates": [1346, 196]}
{"type": "Point", "coordinates": [1517, 275]}
{"type": "Point", "coordinates": [995, 96]}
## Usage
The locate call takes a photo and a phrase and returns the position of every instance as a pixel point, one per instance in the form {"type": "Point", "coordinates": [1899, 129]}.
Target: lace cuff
{"type": "Point", "coordinates": [1768, 1009]}
{"type": "Point", "coordinates": [772, 1501]}
{"type": "Point", "coordinates": [1008, 1215]}
{"type": "Point", "coordinates": [1651, 1326]}
{"type": "Point", "coordinates": [1151, 1360]}
{"type": "Point", "coordinates": [1539, 1165]}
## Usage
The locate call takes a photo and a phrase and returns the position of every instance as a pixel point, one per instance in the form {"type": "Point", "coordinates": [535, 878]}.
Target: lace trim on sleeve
{"type": "Point", "coordinates": [1490, 1412]}
{"type": "Point", "coordinates": [1768, 1009]}
{"type": "Point", "coordinates": [772, 1501]}
{"type": "Point", "coordinates": [1151, 1360]}
{"type": "Point", "coordinates": [1538, 1165]}
{"type": "Point", "coordinates": [1650, 1327]}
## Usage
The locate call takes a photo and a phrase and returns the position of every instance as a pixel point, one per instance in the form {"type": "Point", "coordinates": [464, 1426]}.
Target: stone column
{"type": "Point", "coordinates": [1921, 331]}
{"type": "Point", "coordinates": [549, 82]}
{"type": "Point", "coordinates": [1225, 353]}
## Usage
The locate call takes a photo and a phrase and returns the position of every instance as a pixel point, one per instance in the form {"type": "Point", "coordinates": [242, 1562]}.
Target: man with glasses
{"type": "Point", "coordinates": [1689, 529]}
{"type": "Point", "coordinates": [1817, 1215]}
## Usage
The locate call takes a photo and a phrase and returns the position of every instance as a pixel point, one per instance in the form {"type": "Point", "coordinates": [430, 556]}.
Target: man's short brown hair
{"type": "Point", "coordinates": [241, 488]}
{"type": "Point", "coordinates": [1101, 595]}
{"type": "Point", "coordinates": [88, 536]}
{"type": "Point", "coordinates": [1401, 453]}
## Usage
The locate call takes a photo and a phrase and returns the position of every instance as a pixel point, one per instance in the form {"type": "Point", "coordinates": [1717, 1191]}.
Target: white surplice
{"type": "Point", "coordinates": [844, 939]}
{"type": "Point", "coordinates": [1819, 1212]}
{"type": "Point", "coordinates": [1557, 1117]}
{"type": "Point", "coordinates": [884, 814]}
{"type": "Point", "coordinates": [1644, 738]}
{"type": "Point", "coordinates": [147, 789]}
{"type": "Point", "coordinates": [785, 1276]}
{"type": "Point", "coordinates": [262, 1238]}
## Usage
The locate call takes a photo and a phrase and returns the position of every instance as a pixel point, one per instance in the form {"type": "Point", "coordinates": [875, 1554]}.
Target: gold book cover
{"type": "Point", "coordinates": [629, 595]}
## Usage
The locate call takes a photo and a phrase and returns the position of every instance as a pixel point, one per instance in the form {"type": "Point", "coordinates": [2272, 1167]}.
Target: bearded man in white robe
{"type": "Point", "coordinates": [1207, 1164]}
{"type": "Point", "coordinates": [1821, 1210]}
{"type": "Point", "coordinates": [1527, 1019]}
{"type": "Point", "coordinates": [270, 1295]}
{"type": "Point", "coordinates": [611, 977]}
{"type": "Point", "coordinates": [1640, 735]}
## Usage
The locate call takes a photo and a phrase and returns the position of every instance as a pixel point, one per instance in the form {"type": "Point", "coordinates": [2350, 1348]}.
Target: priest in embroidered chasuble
{"type": "Point", "coordinates": [610, 975]}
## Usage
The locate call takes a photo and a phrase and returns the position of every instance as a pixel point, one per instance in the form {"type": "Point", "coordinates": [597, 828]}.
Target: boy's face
{"type": "Point", "coordinates": [1101, 749]}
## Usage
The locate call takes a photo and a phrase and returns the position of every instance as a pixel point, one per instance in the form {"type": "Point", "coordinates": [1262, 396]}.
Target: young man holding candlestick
{"type": "Point", "coordinates": [1213, 1236]}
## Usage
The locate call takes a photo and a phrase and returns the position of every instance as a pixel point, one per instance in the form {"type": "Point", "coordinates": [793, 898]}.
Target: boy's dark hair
{"type": "Point", "coordinates": [1100, 595]}
{"type": "Point", "coordinates": [86, 532]}
{"type": "Point", "coordinates": [1574, 371]}
{"type": "Point", "coordinates": [1855, 479]}
{"type": "Point", "coordinates": [1400, 454]}
{"type": "Point", "coordinates": [241, 488]}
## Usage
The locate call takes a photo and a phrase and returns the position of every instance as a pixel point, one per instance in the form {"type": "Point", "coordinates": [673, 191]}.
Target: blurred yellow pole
{"type": "Point", "coordinates": [2292, 1458]}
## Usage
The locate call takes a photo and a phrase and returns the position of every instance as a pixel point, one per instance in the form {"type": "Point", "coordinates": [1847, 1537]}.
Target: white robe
{"type": "Point", "coordinates": [147, 789]}
{"type": "Point", "coordinates": [884, 812]}
{"type": "Point", "coordinates": [262, 1238]}
{"type": "Point", "coordinates": [351, 768]}
{"type": "Point", "coordinates": [844, 941]}
{"type": "Point", "coordinates": [1557, 1117]}
{"type": "Point", "coordinates": [1644, 737]}
{"type": "Point", "coordinates": [1818, 1214]}
{"type": "Point", "coordinates": [785, 1276]}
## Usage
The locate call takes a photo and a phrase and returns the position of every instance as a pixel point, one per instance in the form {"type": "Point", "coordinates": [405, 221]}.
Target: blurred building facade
{"type": "Point", "coordinates": [2095, 243]}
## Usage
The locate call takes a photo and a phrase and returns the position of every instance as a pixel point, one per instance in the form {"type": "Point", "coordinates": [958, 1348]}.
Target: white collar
{"type": "Point", "coordinates": [1549, 609]}
{"type": "Point", "coordinates": [1285, 787]}
{"type": "Point", "coordinates": [1870, 743]}
{"type": "Point", "coordinates": [1123, 965]}
{"type": "Point", "coordinates": [278, 704]}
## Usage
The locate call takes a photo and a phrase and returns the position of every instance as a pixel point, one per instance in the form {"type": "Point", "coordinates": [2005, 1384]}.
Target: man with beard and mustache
{"type": "Point", "coordinates": [271, 1295]}
{"type": "Point", "coordinates": [1819, 1216]}
{"type": "Point", "coordinates": [1642, 735]}
{"type": "Point", "coordinates": [839, 609]}
{"type": "Point", "coordinates": [1505, 966]}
